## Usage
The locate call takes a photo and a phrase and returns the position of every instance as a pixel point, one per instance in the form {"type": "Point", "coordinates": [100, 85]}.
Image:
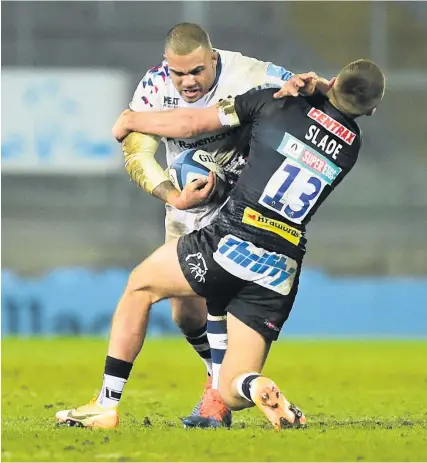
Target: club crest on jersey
{"type": "Point", "coordinates": [250, 263]}
{"type": "Point", "coordinates": [331, 125]}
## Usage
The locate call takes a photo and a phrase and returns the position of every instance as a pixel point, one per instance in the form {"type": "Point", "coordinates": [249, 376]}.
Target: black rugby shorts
{"type": "Point", "coordinates": [255, 285]}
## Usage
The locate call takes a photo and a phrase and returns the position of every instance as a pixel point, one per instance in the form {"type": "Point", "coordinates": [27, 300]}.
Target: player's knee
{"type": "Point", "coordinates": [140, 285]}
{"type": "Point", "coordinates": [188, 313]}
{"type": "Point", "coordinates": [180, 313]}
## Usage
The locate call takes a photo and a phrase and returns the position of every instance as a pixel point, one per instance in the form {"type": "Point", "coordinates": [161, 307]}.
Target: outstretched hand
{"type": "Point", "coordinates": [304, 84]}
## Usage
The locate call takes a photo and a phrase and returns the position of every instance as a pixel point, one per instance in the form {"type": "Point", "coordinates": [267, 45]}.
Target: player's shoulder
{"type": "Point", "coordinates": [236, 59]}
{"type": "Point", "coordinates": [259, 100]}
{"type": "Point", "coordinates": [261, 93]}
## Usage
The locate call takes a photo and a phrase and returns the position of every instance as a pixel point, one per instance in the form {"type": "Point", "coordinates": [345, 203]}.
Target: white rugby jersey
{"type": "Point", "coordinates": [236, 74]}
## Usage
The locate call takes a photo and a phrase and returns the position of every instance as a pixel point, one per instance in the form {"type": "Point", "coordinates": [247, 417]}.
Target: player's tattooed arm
{"type": "Point", "coordinates": [139, 155]}
{"type": "Point", "coordinates": [194, 193]}
{"type": "Point", "coordinates": [139, 150]}
{"type": "Point", "coordinates": [166, 192]}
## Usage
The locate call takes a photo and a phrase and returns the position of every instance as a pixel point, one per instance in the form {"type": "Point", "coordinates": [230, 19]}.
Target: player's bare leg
{"type": "Point", "coordinates": [190, 315]}
{"type": "Point", "coordinates": [241, 382]}
{"type": "Point", "coordinates": [158, 277]}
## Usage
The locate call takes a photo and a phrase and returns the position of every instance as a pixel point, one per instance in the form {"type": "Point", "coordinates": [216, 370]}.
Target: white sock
{"type": "Point", "coordinates": [218, 340]}
{"type": "Point", "coordinates": [244, 384]}
{"type": "Point", "coordinates": [111, 392]}
{"type": "Point", "coordinates": [209, 366]}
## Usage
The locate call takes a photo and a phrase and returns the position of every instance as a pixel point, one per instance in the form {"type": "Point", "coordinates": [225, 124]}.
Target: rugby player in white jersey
{"type": "Point", "coordinates": [193, 74]}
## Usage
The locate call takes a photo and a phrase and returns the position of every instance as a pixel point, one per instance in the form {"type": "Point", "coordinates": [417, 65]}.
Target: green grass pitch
{"type": "Point", "coordinates": [365, 401]}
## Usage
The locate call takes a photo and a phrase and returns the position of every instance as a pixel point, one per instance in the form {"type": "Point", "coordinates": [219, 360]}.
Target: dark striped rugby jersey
{"type": "Point", "coordinates": [300, 150]}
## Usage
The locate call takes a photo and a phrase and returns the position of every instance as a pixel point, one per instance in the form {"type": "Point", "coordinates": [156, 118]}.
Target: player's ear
{"type": "Point", "coordinates": [332, 82]}
{"type": "Point", "coordinates": [371, 112]}
{"type": "Point", "coordinates": [214, 57]}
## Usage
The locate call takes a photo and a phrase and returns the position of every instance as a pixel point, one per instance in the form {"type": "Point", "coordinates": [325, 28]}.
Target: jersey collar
{"type": "Point", "coordinates": [218, 71]}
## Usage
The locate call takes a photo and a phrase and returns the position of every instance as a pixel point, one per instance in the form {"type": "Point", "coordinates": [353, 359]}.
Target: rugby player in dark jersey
{"type": "Point", "coordinates": [247, 262]}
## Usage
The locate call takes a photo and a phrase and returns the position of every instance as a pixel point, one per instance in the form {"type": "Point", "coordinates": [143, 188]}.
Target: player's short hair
{"type": "Point", "coordinates": [359, 87]}
{"type": "Point", "coordinates": [185, 37]}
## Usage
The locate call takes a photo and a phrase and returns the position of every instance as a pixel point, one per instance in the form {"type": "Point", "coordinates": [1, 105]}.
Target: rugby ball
{"type": "Point", "coordinates": [193, 164]}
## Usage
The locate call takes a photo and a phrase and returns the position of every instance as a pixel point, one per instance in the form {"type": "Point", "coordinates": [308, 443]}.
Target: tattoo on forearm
{"type": "Point", "coordinates": [139, 150]}
{"type": "Point", "coordinates": [162, 191]}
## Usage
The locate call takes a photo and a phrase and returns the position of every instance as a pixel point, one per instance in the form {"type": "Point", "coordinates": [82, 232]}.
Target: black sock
{"type": "Point", "coordinates": [198, 339]}
{"type": "Point", "coordinates": [117, 367]}
{"type": "Point", "coordinates": [116, 374]}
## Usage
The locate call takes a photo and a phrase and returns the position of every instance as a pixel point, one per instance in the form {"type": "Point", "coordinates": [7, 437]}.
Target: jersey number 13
{"type": "Point", "coordinates": [292, 191]}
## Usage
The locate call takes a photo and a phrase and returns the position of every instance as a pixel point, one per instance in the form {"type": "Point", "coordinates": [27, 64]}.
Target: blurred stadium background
{"type": "Point", "coordinates": [73, 225]}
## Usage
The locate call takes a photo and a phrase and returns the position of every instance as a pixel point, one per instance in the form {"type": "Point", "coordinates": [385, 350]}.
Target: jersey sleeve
{"type": "Point", "coordinates": [139, 149]}
{"type": "Point", "coordinates": [276, 75]}
{"type": "Point", "coordinates": [150, 92]}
